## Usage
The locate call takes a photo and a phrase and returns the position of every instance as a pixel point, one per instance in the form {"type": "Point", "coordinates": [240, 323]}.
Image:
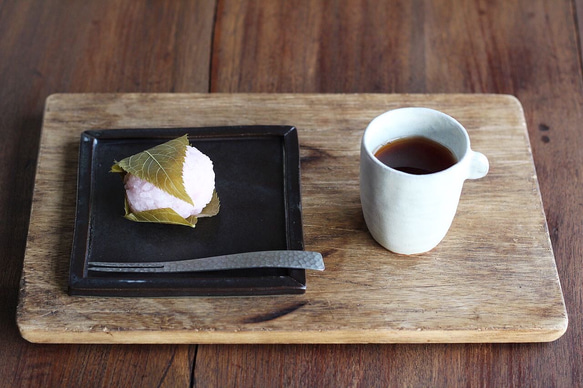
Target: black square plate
{"type": "Point", "coordinates": [258, 183]}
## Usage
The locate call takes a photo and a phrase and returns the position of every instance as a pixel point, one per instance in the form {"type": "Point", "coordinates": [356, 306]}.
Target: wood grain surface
{"type": "Point", "coordinates": [493, 279]}
{"type": "Point", "coordinates": [527, 48]}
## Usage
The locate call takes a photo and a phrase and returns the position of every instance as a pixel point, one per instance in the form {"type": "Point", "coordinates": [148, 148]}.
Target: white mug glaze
{"type": "Point", "coordinates": [406, 213]}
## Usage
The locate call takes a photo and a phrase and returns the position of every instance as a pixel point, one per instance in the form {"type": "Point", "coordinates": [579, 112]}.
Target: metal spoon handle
{"type": "Point", "coordinates": [263, 259]}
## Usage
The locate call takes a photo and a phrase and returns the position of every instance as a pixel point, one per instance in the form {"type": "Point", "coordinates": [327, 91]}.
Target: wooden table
{"type": "Point", "coordinates": [530, 49]}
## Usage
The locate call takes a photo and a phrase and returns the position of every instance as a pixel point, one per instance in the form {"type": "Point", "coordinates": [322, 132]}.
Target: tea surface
{"type": "Point", "coordinates": [416, 155]}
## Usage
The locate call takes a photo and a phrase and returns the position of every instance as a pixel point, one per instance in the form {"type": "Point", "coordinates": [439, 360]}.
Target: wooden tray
{"type": "Point", "coordinates": [493, 278]}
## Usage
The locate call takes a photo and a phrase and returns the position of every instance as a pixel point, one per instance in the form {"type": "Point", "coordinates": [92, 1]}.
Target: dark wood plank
{"type": "Point", "coordinates": [322, 47]}
{"type": "Point", "coordinates": [25, 364]}
{"type": "Point", "coordinates": [99, 46]}
{"type": "Point", "coordinates": [578, 6]}
{"type": "Point", "coordinates": [526, 48]}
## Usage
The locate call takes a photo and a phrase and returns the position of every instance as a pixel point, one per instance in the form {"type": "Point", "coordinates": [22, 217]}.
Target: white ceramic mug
{"type": "Point", "coordinates": [408, 213]}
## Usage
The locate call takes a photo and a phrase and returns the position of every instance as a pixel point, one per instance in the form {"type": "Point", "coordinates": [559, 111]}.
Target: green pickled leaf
{"type": "Point", "coordinates": [117, 168]}
{"type": "Point", "coordinates": [161, 166]}
{"type": "Point", "coordinates": [162, 216]}
{"type": "Point", "coordinates": [212, 208]}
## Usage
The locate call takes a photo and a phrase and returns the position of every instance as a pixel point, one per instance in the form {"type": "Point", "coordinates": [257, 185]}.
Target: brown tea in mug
{"type": "Point", "coordinates": [416, 155]}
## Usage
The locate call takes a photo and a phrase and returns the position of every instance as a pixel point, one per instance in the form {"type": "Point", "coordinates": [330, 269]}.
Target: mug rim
{"type": "Point", "coordinates": [370, 153]}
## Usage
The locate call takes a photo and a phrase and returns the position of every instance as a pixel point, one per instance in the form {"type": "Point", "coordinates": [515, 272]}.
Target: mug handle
{"type": "Point", "coordinates": [479, 165]}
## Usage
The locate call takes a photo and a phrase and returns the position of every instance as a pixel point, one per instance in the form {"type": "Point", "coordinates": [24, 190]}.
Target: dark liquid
{"type": "Point", "coordinates": [416, 155]}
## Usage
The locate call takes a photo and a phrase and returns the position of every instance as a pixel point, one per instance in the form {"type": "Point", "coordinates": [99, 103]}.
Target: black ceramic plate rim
{"type": "Point", "coordinates": [81, 282]}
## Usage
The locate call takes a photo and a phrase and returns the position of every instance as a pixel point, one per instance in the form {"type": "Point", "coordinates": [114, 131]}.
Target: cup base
{"type": "Point", "coordinates": [407, 251]}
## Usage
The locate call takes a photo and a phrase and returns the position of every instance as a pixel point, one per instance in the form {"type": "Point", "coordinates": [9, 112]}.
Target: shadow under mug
{"type": "Point", "coordinates": [407, 213]}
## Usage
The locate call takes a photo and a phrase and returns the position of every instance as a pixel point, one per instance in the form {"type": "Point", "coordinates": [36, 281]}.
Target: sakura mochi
{"type": "Point", "coordinates": [171, 183]}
